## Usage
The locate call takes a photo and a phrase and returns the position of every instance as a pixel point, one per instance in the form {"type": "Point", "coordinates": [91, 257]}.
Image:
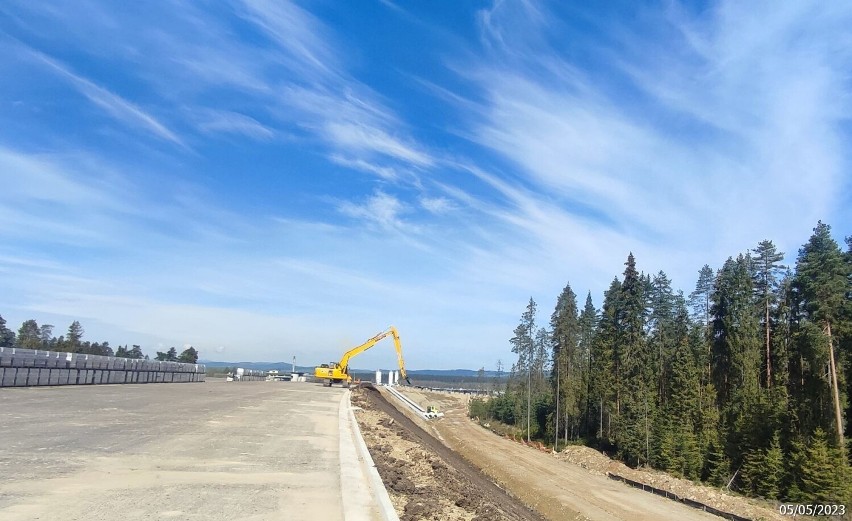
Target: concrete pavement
{"type": "Point", "coordinates": [215, 450]}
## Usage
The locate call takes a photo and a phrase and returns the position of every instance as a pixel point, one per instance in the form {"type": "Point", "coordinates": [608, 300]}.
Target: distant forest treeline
{"type": "Point", "coordinates": [745, 379]}
{"type": "Point", "coordinates": [32, 336]}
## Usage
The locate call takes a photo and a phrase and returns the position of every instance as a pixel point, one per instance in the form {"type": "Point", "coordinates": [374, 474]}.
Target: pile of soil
{"type": "Point", "coordinates": [425, 480]}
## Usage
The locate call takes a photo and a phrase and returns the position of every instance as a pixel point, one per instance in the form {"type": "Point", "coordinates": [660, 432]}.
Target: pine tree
{"type": "Point", "coordinates": [29, 335]}
{"type": "Point", "coordinates": [46, 335]}
{"type": "Point", "coordinates": [73, 338]}
{"type": "Point", "coordinates": [523, 345]}
{"type": "Point", "coordinates": [188, 356]}
{"type": "Point", "coordinates": [7, 336]}
{"type": "Point", "coordinates": [767, 266]}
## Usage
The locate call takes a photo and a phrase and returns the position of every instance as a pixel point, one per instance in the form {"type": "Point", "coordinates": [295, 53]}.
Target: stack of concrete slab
{"type": "Point", "coordinates": [31, 367]}
{"type": "Point", "coordinates": [249, 375]}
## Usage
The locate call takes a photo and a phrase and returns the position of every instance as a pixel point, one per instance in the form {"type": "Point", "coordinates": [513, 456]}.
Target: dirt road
{"type": "Point", "coordinates": [556, 489]}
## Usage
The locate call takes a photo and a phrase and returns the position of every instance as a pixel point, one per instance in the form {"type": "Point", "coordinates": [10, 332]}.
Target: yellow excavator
{"type": "Point", "coordinates": [338, 372]}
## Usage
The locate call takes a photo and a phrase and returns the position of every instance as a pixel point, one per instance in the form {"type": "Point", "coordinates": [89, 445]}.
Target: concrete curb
{"type": "Point", "coordinates": [377, 491]}
{"type": "Point", "coordinates": [364, 494]}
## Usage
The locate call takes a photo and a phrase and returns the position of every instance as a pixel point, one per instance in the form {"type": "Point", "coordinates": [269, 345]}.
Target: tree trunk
{"type": "Point", "coordinates": [768, 363]}
{"type": "Point", "coordinates": [838, 417]}
{"type": "Point", "coordinates": [556, 423]}
{"type": "Point", "coordinates": [529, 400]}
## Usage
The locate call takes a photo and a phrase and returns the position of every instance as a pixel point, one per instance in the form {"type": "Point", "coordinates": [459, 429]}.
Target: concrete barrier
{"type": "Point", "coordinates": [7, 376]}
{"type": "Point", "coordinates": [674, 497]}
{"type": "Point", "coordinates": [31, 367]}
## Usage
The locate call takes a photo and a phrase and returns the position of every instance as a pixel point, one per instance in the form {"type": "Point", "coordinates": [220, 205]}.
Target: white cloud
{"type": "Point", "coordinates": [116, 106]}
{"type": "Point", "coordinates": [297, 31]}
{"type": "Point", "coordinates": [735, 135]}
{"type": "Point", "coordinates": [383, 172]}
{"type": "Point", "coordinates": [380, 208]}
{"type": "Point", "coordinates": [700, 150]}
{"type": "Point", "coordinates": [224, 121]}
{"type": "Point", "coordinates": [437, 205]}
{"type": "Point", "coordinates": [358, 137]}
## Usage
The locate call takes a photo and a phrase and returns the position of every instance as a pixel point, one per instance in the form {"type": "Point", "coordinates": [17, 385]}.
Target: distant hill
{"type": "Point", "coordinates": [285, 367]}
{"type": "Point", "coordinates": [452, 372]}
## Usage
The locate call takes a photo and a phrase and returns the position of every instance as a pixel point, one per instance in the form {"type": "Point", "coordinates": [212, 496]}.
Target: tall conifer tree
{"type": "Point", "coordinates": [822, 284]}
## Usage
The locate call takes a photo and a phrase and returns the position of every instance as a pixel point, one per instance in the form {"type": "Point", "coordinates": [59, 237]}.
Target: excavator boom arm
{"type": "Point", "coordinates": [344, 361]}
{"type": "Point", "coordinates": [398, 345]}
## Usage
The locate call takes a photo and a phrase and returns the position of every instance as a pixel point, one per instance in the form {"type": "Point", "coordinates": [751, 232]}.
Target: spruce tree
{"type": "Point", "coordinates": [768, 482]}
{"type": "Point", "coordinates": [700, 298]}
{"type": "Point", "coordinates": [664, 454]}
{"type": "Point", "coordinates": [819, 471]}
{"type": "Point", "coordinates": [717, 467]}
{"type": "Point", "coordinates": [750, 470]}
{"type": "Point", "coordinates": [689, 458]}
{"type": "Point", "coordinates": [588, 323]}
{"type": "Point", "coordinates": [661, 323]}
{"type": "Point", "coordinates": [634, 370]}
{"type": "Point", "coordinates": [797, 456]}
{"type": "Point", "coordinates": [566, 383]}
{"type": "Point", "coordinates": [604, 363]}
{"type": "Point", "coordinates": [737, 354]}
{"type": "Point", "coordinates": [822, 284]}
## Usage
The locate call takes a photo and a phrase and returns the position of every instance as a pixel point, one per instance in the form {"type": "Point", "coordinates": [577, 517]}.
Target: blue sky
{"type": "Point", "coordinates": [263, 179]}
